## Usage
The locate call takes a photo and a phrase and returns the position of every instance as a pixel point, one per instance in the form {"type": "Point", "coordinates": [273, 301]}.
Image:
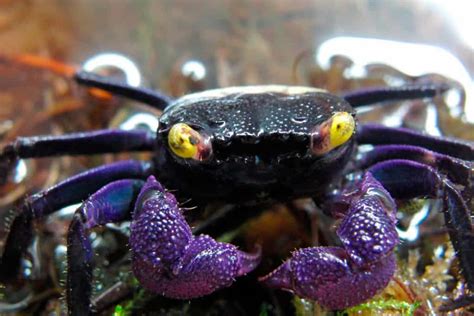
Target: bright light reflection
{"type": "Point", "coordinates": [195, 69]}
{"type": "Point", "coordinates": [67, 211]}
{"type": "Point", "coordinates": [20, 171]}
{"type": "Point", "coordinates": [138, 119]}
{"type": "Point", "coordinates": [114, 60]}
{"type": "Point", "coordinates": [411, 59]}
{"type": "Point", "coordinates": [459, 14]}
{"type": "Point", "coordinates": [413, 229]}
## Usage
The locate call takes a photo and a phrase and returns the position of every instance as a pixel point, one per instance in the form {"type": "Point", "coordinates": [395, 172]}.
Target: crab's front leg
{"type": "Point", "coordinates": [339, 277]}
{"type": "Point", "coordinates": [169, 260]}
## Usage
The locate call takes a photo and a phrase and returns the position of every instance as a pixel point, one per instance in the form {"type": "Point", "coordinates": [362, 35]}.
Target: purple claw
{"type": "Point", "coordinates": [367, 233]}
{"type": "Point", "coordinates": [408, 179]}
{"type": "Point", "coordinates": [169, 260]}
{"type": "Point", "coordinates": [341, 277]}
{"type": "Point", "coordinates": [327, 276]}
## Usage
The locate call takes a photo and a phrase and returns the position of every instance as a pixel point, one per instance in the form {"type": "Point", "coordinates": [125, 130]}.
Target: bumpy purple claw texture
{"type": "Point", "coordinates": [169, 260]}
{"type": "Point", "coordinates": [339, 277]}
{"type": "Point", "coordinates": [367, 235]}
{"type": "Point", "coordinates": [328, 276]}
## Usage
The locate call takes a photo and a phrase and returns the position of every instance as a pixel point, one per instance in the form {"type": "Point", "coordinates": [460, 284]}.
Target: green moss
{"type": "Point", "coordinates": [119, 311]}
{"type": "Point", "coordinates": [383, 305]}
{"type": "Point", "coordinates": [412, 206]}
{"type": "Point", "coordinates": [303, 307]}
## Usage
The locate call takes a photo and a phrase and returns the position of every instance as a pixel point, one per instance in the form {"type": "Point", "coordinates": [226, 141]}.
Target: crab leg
{"type": "Point", "coordinates": [375, 95]}
{"type": "Point", "coordinates": [67, 192]}
{"type": "Point", "coordinates": [339, 277]}
{"type": "Point", "coordinates": [408, 179]}
{"type": "Point", "coordinates": [460, 171]}
{"type": "Point", "coordinates": [112, 203]}
{"type": "Point", "coordinates": [457, 216]}
{"type": "Point", "coordinates": [150, 97]}
{"type": "Point", "coordinates": [168, 259]}
{"type": "Point", "coordinates": [381, 135]}
{"type": "Point", "coordinates": [86, 143]}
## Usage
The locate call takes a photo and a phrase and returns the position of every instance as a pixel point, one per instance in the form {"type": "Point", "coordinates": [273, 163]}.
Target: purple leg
{"type": "Point", "coordinates": [96, 142]}
{"type": "Point", "coordinates": [169, 260]}
{"type": "Point", "coordinates": [458, 170]}
{"type": "Point", "coordinates": [339, 277]}
{"type": "Point", "coordinates": [153, 98]}
{"type": "Point", "coordinates": [67, 192]}
{"type": "Point", "coordinates": [112, 203]}
{"type": "Point", "coordinates": [423, 177]}
{"type": "Point", "coordinates": [376, 95]}
{"type": "Point", "coordinates": [381, 135]}
{"type": "Point", "coordinates": [408, 179]}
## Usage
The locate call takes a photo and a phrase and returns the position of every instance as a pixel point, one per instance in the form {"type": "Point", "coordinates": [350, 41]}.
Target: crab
{"type": "Point", "coordinates": [248, 145]}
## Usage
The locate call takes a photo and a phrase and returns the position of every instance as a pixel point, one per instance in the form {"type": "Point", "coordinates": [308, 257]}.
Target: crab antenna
{"type": "Point", "coordinates": [149, 97]}
{"type": "Point", "coordinates": [382, 94]}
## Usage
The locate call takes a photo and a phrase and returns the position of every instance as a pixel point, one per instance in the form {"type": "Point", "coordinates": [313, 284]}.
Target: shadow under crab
{"type": "Point", "coordinates": [248, 145]}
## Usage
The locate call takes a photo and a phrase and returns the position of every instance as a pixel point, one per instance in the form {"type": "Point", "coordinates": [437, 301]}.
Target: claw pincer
{"type": "Point", "coordinates": [169, 260]}
{"type": "Point", "coordinates": [253, 144]}
{"type": "Point", "coordinates": [339, 277]}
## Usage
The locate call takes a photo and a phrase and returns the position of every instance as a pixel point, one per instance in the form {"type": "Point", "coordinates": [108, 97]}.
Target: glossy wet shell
{"type": "Point", "coordinates": [260, 137]}
{"type": "Point", "coordinates": [254, 112]}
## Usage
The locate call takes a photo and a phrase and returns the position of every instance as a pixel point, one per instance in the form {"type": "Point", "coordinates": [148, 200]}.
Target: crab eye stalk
{"type": "Point", "coordinates": [188, 143]}
{"type": "Point", "coordinates": [332, 133]}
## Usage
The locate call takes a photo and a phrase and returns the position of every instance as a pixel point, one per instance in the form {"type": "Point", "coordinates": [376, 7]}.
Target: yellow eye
{"type": "Point", "coordinates": [332, 133]}
{"type": "Point", "coordinates": [342, 128]}
{"type": "Point", "coordinates": [185, 142]}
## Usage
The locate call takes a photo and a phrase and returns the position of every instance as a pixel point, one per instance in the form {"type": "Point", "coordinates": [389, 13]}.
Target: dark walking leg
{"type": "Point", "coordinates": [407, 179]}
{"type": "Point", "coordinates": [375, 134]}
{"type": "Point", "coordinates": [70, 191]}
{"type": "Point", "coordinates": [458, 170]}
{"type": "Point", "coordinates": [150, 97]}
{"type": "Point", "coordinates": [375, 95]}
{"type": "Point", "coordinates": [87, 143]}
{"type": "Point", "coordinates": [112, 203]}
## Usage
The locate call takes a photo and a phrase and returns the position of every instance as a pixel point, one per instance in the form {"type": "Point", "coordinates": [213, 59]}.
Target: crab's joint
{"type": "Point", "coordinates": [332, 133]}
{"type": "Point", "coordinates": [185, 142]}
